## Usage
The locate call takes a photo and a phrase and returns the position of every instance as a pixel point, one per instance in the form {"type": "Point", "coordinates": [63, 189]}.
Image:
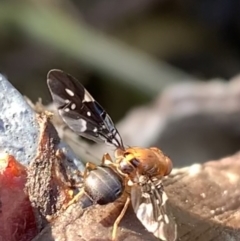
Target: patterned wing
{"type": "Point", "coordinates": [80, 111]}
{"type": "Point", "coordinates": [149, 202]}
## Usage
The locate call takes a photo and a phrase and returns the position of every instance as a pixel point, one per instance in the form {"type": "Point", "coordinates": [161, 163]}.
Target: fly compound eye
{"type": "Point", "coordinates": [126, 168]}
{"type": "Point", "coordinates": [135, 162]}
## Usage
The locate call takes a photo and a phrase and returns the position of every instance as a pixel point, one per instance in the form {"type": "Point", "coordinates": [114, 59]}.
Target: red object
{"type": "Point", "coordinates": [17, 221]}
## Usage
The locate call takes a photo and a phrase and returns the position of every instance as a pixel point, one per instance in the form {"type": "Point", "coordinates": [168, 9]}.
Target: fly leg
{"type": "Point", "coordinates": [107, 161]}
{"type": "Point", "coordinates": [89, 167]}
{"type": "Point", "coordinates": [119, 218]}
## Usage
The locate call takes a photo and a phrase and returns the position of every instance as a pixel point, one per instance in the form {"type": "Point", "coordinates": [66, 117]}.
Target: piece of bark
{"type": "Point", "coordinates": [50, 179]}
{"type": "Point", "coordinates": [204, 199]}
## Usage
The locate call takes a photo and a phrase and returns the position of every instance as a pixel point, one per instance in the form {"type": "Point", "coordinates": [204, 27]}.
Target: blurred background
{"type": "Point", "coordinates": [127, 53]}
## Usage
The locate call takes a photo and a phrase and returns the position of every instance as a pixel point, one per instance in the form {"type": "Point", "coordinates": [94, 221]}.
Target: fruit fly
{"type": "Point", "coordinates": [139, 169]}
